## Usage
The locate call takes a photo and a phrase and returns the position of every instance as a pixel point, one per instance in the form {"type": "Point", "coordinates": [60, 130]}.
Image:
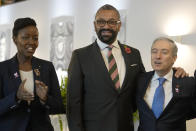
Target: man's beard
{"type": "Point", "coordinates": [107, 39]}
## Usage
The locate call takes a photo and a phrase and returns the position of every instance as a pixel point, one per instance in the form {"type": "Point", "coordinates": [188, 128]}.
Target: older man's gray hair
{"type": "Point", "coordinates": [174, 46]}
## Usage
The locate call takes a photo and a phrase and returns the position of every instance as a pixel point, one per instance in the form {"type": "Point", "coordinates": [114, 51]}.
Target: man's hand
{"type": "Point", "coordinates": [22, 94]}
{"type": "Point", "coordinates": [41, 90]}
{"type": "Point", "coordinates": [180, 72]}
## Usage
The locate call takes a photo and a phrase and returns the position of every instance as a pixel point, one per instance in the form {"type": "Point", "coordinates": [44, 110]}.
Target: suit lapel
{"type": "Point", "coordinates": [129, 60]}
{"type": "Point", "coordinates": [126, 60]}
{"type": "Point", "coordinates": [145, 87]}
{"type": "Point", "coordinates": [176, 88]}
{"type": "Point", "coordinates": [175, 85]}
{"type": "Point", "coordinates": [146, 83]}
{"type": "Point", "coordinates": [100, 65]}
{"type": "Point", "coordinates": [36, 67]}
{"type": "Point", "coordinates": [14, 72]}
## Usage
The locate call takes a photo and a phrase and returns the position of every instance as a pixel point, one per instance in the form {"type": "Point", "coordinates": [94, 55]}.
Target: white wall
{"type": "Point", "coordinates": [146, 20]}
{"type": "Point", "coordinates": [149, 19]}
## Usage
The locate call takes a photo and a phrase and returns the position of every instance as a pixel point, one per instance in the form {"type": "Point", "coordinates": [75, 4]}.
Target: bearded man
{"type": "Point", "coordinates": [102, 79]}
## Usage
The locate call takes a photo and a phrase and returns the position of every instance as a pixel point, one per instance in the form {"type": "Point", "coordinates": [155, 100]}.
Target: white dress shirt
{"type": "Point", "coordinates": [116, 51]}
{"type": "Point", "coordinates": [167, 85]}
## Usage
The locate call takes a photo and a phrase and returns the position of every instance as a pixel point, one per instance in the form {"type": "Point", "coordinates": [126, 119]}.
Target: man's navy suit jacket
{"type": "Point", "coordinates": [179, 109]}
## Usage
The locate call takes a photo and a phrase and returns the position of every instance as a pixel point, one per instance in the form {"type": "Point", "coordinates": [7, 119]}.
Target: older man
{"type": "Point", "coordinates": [164, 101]}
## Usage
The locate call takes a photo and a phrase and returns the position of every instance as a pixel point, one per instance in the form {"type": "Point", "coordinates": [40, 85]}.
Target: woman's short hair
{"type": "Point", "coordinates": [21, 23]}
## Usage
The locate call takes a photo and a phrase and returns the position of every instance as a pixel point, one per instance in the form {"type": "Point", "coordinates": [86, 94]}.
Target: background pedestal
{"type": "Point", "coordinates": [55, 120]}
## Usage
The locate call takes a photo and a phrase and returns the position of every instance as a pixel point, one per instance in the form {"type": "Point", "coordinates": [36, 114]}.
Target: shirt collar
{"type": "Point", "coordinates": [102, 45]}
{"type": "Point", "coordinates": [168, 76]}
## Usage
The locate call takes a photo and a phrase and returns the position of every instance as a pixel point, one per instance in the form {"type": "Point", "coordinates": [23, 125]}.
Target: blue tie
{"type": "Point", "coordinates": [159, 98]}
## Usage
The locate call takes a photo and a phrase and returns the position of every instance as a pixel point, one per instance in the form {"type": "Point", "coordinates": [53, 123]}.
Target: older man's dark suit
{"type": "Point", "coordinates": [93, 102]}
{"type": "Point", "coordinates": [17, 117]}
{"type": "Point", "coordinates": [178, 110]}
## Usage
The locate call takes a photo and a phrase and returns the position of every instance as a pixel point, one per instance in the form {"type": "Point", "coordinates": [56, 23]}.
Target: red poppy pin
{"type": "Point", "coordinates": [177, 89]}
{"type": "Point", "coordinates": [37, 73]}
{"type": "Point", "coordinates": [127, 49]}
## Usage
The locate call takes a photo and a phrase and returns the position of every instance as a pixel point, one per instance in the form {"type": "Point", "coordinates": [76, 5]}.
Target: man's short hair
{"type": "Point", "coordinates": [174, 46]}
{"type": "Point", "coordinates": [108, 7]}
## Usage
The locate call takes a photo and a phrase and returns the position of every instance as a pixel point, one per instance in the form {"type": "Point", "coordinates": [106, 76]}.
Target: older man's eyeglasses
{"type": "Point", "coordinates": [110, 23]}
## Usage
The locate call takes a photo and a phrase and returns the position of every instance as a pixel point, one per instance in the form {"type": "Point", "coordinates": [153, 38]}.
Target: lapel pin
{"type": "Point", "coordinates": [37, 73]}
{"type": "Point", "coordinates": [127, 49]}
{"type": "Point", "coordinates": [16, 75]}
{"type": "Point", "coordinates": [177, 89]}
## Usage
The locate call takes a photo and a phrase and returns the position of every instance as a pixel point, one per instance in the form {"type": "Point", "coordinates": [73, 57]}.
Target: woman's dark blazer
{"type": "Point", "coordinates": [18, 116]}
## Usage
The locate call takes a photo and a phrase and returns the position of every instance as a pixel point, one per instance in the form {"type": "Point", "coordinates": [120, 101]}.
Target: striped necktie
{"type": "Point", "coordinates": [113, 70]}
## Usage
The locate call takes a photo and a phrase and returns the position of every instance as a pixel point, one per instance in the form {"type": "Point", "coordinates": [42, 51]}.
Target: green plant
{"type": "Point", "coordinates": [60, 122]}
{"type": "Point", "coordinates": [136, 116]}
{"type": "Point", "coordinates": [63, 88]}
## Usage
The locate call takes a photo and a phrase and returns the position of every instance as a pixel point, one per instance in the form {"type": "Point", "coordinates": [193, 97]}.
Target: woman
{"type": "Point", "coordinates": [29, 88]}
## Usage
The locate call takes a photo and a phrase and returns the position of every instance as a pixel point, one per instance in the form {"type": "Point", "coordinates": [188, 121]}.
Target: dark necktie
{"type": "Point", "coordinates": [159, 98]}
{"type": "Point", "coordinates": [113, 70]}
